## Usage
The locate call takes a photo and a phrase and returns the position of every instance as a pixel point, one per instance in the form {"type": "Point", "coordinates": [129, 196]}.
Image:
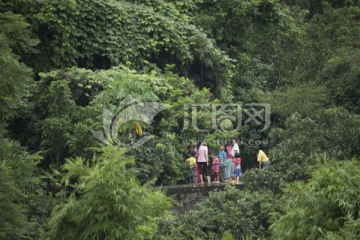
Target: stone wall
{"type": "Point", "coordinates": [187, 197]}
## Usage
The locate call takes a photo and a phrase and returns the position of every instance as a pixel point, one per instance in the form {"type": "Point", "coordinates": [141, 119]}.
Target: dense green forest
{"type": "Point", "coordinates": [66, 64]}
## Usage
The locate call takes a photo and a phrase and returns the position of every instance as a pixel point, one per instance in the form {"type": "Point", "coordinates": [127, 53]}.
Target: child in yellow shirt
{"type": "Point", "coordinates": [191, 161]}
{"type": "Point", "coordinates": [264, 161]}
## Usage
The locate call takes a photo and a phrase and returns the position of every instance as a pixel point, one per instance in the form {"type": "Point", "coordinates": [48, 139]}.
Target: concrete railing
{"type": "Point", "coordinates": [187, 197]}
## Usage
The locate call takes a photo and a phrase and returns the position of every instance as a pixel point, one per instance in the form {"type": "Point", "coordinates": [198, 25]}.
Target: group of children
{"type": "Point", "coordinates": [228, 170]}
{"type": "Point", "coordinates": [226, 164]}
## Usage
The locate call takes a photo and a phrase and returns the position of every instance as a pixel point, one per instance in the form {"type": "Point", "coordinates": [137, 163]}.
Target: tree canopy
{"type": "Point", "coordinates": [71, 72]}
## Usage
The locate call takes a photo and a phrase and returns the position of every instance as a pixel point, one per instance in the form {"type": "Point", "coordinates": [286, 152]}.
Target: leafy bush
{"type": "Point", "coordinates": [262, 180]}
{"type": "Point", "coordinates": [305, 99]}
{"type": "Point", "coordinates": [69, 103]}
{"type": "Point", "coordinates": [18, 182]}
{"type": "Point", "coordinates": [40, 205]}
{"type": "Point", "coordinates": [13, 223]}
{"type": "Point", "coordinates": [159, 159]}
{"type": "Point", "coordinates": [102, 34]}
{"type": "Point", "coordinates": [325, 207]}
{"type": "Point", "coordinates": [15, 76]}
{"type": "Point", "coordinates": [334, 132]}
{"type": "Point", "coordinates": [239, 212]}
{"type": "Point", "coordinates": [106, 201]}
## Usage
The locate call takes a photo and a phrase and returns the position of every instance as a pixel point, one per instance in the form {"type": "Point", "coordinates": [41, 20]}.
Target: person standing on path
{"type": "Point", "coordinates": [228, 161]}
{"type": "Point", "coordinates": [203, 161]}
{"type": "Point", "coordinates": [238, 173]}
{"type": "Point", "coordinates": [216, 168]}
{"type": "Point", "coordinates": [192, 149]}
{"type": "Point", "coordinates": [234, 149]}
{"type": "Point", "coordinates": [191, 161]}
{"type": "Point", "coordinates": [222, 158]}
{"type": "Point", "coordinates": [264, 161]}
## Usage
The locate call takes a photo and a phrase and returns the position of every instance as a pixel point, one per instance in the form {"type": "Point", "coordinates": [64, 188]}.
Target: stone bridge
{"type": "Point", "coordinates": [187, 197]}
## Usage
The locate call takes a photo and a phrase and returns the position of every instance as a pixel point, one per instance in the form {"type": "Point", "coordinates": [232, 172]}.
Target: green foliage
{"type": "Point", "coordinates": [63, 115]}
{"type": "Point", "coordinates": [106, 201]}
{"type": "Point", "coordinates": [25, 205]}
{"type": "Point", "coordinates": [305, 99]}
{"type": "Point", "coordinates": [325, 207]}
{"type": "Point", "coordinates": [240, 213]}
{"type": "Point", "coordinates": [69, 104]}
{"type": "Point", "coordinates": [15, 77]}
{"type": "Point", "coordinates": [13, 224]}
{"type": "Point", "coordinates": [138, 34]}
{"type": "Point", "coordinates": [184, 92]}
{"type": "Point", "coordinates": [160, 160]}
{"type": "Point", "coordinates": [314, 8]}
{"type": "Point", "coordinates": [20, 186]}
{"type": "Point", "coordinates": [261, 180]}
{"type": "Point", "coordinates": [328, 55]}
{"type": "Point", "coordinates": [17, 34]}
{"type": "Point", "coordinates": [121, 82]}
{"type": "Point", "coordinates": [227, 236]}
{"type": "Point", "coordinates": [18, 181]}
{"type": "Point", "coordinates": [179, 53]}
{"type": "Point", "coordinates": [40, 205]}
{"type": "Point", "coordinates": [334, 132]}
{"type": "Point", "coordinates": [341, 76]}
{"type": "Point", "coordinates": [257, 34]}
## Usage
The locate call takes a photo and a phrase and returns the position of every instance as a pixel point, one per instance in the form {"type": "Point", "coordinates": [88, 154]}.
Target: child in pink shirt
{"type": "Point", "coordinates": [216, 167]}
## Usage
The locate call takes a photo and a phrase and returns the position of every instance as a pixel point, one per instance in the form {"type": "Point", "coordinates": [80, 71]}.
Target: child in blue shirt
{"type": "Point", "coordinates": [222, 158]}
{"type": "Point", "coordinates": [237, 172]}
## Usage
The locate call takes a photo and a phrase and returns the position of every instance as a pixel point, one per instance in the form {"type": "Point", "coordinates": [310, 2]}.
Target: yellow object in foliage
{"type": "Point", "coordinates": [138, 129]}
{"type": "Point", "coordinates": [120, 120]}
